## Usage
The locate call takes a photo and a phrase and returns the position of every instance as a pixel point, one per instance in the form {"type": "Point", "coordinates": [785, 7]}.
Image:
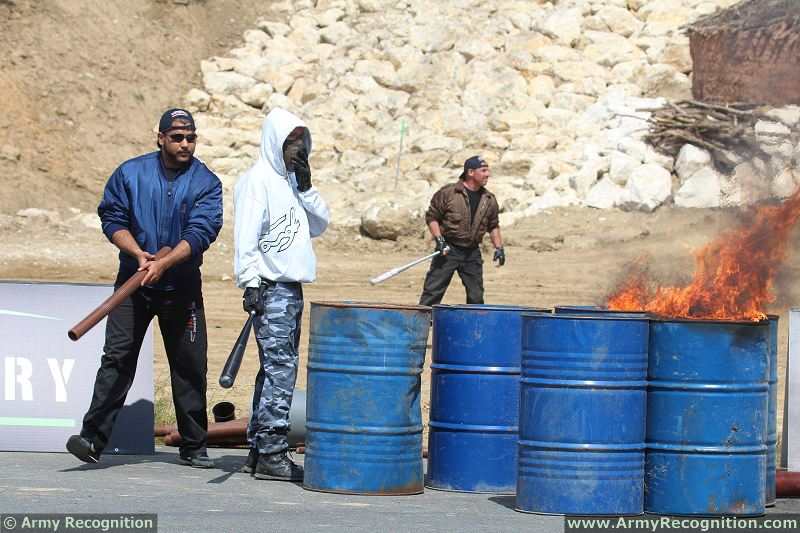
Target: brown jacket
{"type": "Point", "coordinates": [450, 208]}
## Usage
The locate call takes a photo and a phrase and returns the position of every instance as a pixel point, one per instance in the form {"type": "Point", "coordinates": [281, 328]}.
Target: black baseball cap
{"type": "Point", "coordinates": [472, 163]}
{"type": "Point", "coordinates": [170, 115]}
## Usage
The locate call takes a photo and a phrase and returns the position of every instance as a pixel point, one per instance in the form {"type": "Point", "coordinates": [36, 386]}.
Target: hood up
{"type": "Point", "coordinates": [277, 126]}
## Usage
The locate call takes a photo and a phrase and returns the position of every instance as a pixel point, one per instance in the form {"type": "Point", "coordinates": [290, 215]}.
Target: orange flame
{"type": "Point", "coordinates": [733, 274]}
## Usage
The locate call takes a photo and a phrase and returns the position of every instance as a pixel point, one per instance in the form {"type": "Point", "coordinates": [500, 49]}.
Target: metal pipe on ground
{"type": "Point", "coordinates": [787, 484]}
{"type": "Point", "coordinates": [162, 430]}
{"type": "Point", "coordinates": [230, 431]}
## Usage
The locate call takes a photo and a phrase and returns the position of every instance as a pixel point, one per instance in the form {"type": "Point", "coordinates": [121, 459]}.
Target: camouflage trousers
{"type": "Point", "coordinates": [278, 336]}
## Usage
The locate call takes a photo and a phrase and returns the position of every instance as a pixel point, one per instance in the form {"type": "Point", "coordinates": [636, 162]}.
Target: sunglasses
{"type": "Point", "coordinates": [179, 137]}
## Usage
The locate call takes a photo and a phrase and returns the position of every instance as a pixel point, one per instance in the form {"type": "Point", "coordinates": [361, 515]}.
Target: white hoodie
{"type": "Point", "coordinates": [274, 222]}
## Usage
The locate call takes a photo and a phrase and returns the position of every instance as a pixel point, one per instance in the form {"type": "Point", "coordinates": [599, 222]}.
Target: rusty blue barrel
{"type": "Point", "coordinates": [772, 410]}
{"type": "Point", "coordinates": [706, 409]}
{"type": "Point", "coordinates": [363, 417]}
{"type": "Point", "coordinates": [577, 309]}
{"type": "Point", "coordinates": [582, 414]}
{"type": "Point", "coordinates": [475, 370]}
{"type": "Point", "coordinates": [595, 310]}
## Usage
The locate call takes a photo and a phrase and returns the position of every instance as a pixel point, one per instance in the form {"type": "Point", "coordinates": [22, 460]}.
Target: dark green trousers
{"type": "Point", "coordinates": [469, 265]}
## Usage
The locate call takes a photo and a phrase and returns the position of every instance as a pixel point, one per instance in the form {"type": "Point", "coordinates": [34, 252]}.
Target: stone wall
{"type": "Point", "coordinates": [553, 94]}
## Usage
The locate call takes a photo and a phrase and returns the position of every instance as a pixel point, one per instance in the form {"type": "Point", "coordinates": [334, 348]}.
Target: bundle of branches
{"type": "Point", "coordinates": [726, 131]}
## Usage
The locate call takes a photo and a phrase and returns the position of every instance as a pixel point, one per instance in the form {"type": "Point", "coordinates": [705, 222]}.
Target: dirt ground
{"type": "Point", "coordinates": [564, 256]}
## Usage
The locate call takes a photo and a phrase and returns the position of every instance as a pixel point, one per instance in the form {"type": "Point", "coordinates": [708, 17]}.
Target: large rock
{"type": "Point", "coordinates": [197, 100]}
{"type": "Point", "coordinates": [338, 33]}
{"type": "Point", "coordinates": [701, 189]}
{"type": "Point", "coordinates": [563, 25]}
{"type": "Point", "coordinates": [229, 83]}
{"type": "Point", "coordinates": [606, 194]}
{"type": "Point", "coordinates": [748, 184]}
{"type": "Point", "coordinates": [274, 29]}
{"type": "Point", "coordinates": [675, 53]}
{"type": "Point", "coordinates": [621, 166]}
{"type": "Point", "coordinates": [382, 71]}
{"type": "Point", "coordinates": [788, 116]}
{"type": "Point", "coordinates": [258, 94]}
{"type": "Point", "coordinates": [771, 132]}
{"type": "Point", "coordinates": [665, 80]}
{"type": "Point", "coordinates": [648, 187]}
{"type": "Point", "coordinates": [515, 163]}
{"type": "Point", "coordinates": [433, 37]}
{"type": "Point", "coordinates": [664, 16]}
{"type": "Point", "coordinates": [542, 88]}
{"type": "Point", "coordinates": [388, 221]}
{"type": "Point", "coordinates": [785, 183]}
{"type": "Point", "coordinates": [609, 49]}
{"type": "Point", "coordinates": [690, 160]}
{"type": "Point", "coordinates": [588, 174]}
{"type": "Point", "coordinates": [619, 20]}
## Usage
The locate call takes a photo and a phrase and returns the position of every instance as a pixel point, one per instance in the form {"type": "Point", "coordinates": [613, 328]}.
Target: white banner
{"type": "Point", "coordinates": [46, 380]}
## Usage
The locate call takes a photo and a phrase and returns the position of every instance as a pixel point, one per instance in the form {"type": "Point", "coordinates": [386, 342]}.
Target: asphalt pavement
{"type": "Point", "coordinates": [222, 500]}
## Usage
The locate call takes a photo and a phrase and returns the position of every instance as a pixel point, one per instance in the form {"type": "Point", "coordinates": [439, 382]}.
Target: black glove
{"type": "Point", "coordinates": [301, 170]}
{"type": "Point", "coordinates": [499, 256]}
{"type": "Point", "coordinates": [251, 300]}
{"type": "Point", "coordinates": [441, 245]}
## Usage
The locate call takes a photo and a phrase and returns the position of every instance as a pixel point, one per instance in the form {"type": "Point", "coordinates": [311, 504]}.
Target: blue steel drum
{"type": "Point", "coordinates": [577, 309]}
{"type": "Point", "coordinates": [582, 414]}
{"type": "Point", "coordinates": [772, 409]}
{"type": "Point", "coordinates": [475, 368]}
{"type": "Point", "coordinates": [363, 418]}
{"type": "Point", "coordinates": [706, 409]}
{"type": "Point", "coordinates": [592, 310]}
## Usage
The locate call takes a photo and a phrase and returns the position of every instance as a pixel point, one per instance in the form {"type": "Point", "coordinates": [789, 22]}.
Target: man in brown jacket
{"type": "Point", "coordinates": [459, 215]}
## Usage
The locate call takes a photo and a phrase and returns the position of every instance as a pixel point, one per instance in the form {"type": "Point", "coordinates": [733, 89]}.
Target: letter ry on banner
{"type": "Point", "coordinates": [46, 380]}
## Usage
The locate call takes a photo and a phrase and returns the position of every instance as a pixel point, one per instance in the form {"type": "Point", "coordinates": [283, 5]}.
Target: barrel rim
{"type": "Point", "coordinates": [595, 309]}
{"type": "Point", "coordinates": [492, 307]}
{"type": "Point", "coordinates": [660, 318]}
{"type": "Point", "coordinates": [348, 304]}
{"type": "Point", "coordinates": [632, 316]}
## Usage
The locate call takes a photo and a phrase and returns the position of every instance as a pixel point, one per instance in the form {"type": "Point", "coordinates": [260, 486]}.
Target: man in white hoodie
{"type": "Point", "coordinates": [277, 212]}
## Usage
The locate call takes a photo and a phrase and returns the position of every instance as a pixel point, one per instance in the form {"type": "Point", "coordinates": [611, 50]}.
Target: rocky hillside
{"type": "Point", "coordinates": [553, 93]}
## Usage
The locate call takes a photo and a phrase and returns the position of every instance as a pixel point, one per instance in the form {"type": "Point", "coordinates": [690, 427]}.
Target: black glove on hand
{"type": "Point", "coordinates": [251, 300]}
{"type": "Point", "coordinates": [441, 245]}
{"type": "Point", "coordinates": [302, 171]}
{"type": "Point", "coordinates": [499, 256]}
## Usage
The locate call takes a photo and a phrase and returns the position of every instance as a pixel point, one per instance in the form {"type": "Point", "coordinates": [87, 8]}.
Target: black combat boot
{"type": "Point", "coordinates": [83, 449]}
{"type": "Point", "coordinates": [279, 467]}
{"type": "Point", "coordinates": [195, 459]}
{"type": "Point", "coordinates": [249, 466]}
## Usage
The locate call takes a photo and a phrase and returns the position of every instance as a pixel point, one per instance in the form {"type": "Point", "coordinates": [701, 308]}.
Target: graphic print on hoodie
{"type": "Point", "coordinates": [274, 222]}
{"type": "Point", "coordinates": [280, 234]}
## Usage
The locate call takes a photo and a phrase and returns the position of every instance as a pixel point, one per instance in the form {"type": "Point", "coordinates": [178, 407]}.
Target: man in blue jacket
{"type": "Point", "coordinates": [164, 198]}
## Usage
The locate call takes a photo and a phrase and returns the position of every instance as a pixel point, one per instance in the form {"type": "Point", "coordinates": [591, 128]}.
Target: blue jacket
{"type": "Point", "coordinates": [158, 212]}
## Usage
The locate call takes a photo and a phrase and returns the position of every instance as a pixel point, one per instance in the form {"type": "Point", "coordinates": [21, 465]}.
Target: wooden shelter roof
{"type": "Point", "coordinates": [749, 14]}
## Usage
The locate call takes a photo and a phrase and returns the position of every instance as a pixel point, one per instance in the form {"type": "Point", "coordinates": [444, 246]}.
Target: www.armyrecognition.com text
{"type": "Point", "coordinates": [653, 524]}
{"type": "Point", "coordinates": [52, 522]}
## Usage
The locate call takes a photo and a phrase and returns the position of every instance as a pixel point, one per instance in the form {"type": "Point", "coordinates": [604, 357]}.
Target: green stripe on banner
{"type": "Point", "coordinates": [37, 422]}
